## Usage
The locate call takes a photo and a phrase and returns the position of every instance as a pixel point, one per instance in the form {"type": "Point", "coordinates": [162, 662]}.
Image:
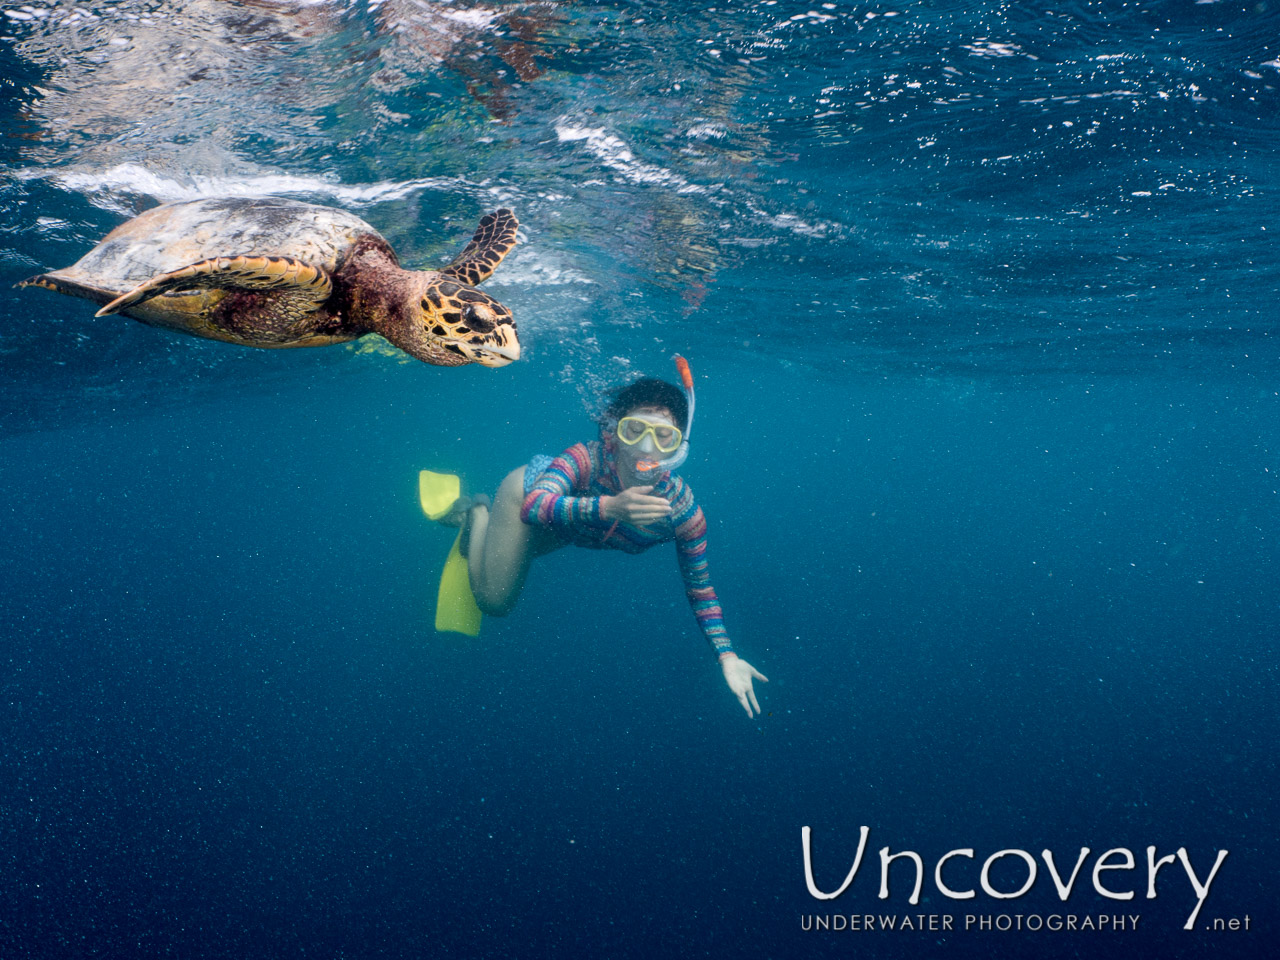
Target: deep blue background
{"type": "Point", "coordinates": [1001, 619]}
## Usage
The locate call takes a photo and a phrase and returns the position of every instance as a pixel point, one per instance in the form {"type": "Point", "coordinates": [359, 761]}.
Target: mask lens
{"type": "Point", "coordinates": [666, 438]}
{"type": "Point", "coordinates": [631, 430]}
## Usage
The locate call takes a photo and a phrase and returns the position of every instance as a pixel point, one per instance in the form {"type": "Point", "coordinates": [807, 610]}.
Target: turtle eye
{"type": "Point", "coordinates": [477, 319]}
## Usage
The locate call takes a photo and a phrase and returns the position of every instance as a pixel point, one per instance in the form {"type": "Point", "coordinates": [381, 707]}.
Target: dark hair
{"type": "Point", "coordinates": [647, 392]}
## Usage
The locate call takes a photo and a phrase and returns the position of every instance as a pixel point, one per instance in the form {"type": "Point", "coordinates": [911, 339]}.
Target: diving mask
{"type": "Point", "coordinates": [666, 436]}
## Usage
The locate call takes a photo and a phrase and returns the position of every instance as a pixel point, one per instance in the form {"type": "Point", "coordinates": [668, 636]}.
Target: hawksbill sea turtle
{"type": "Point", "coordinates": [271, 272]}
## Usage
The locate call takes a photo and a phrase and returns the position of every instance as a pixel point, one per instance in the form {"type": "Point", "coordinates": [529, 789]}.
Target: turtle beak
{"type": "Point", "coordinates": [500, 346]}
{"type": "Point", "coordinates": [494, 355]}
{"type": "Point", "coordinates": [498, 349]}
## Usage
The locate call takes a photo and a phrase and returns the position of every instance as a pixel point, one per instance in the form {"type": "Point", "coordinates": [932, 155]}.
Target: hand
{"type": "Point", "coordinates": [633, 505]}
{"type": "Point", "coordinates": [738, 675]}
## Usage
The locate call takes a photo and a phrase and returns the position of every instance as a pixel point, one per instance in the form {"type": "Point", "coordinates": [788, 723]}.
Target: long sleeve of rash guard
{"type": "Point", "coordinates": [551, 502]}
{"type": "Point", "coordinates": [691, 552]}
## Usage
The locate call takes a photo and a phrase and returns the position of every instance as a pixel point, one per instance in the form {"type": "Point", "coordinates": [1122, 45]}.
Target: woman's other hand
{"type": "Point", "coordinates": [634, 505]}
{"type": "Point", "coordinates": [738, 674]}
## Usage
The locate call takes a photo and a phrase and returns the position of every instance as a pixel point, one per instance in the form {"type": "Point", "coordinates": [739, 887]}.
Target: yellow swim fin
{"type": "Point", "coordinates": [456, 609]}
{"type": "Point", "coordinates": [437, 492]}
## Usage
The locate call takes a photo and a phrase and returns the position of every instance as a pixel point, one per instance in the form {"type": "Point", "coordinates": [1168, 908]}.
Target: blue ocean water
{"type": "Point", "coordinates": [979, 300]}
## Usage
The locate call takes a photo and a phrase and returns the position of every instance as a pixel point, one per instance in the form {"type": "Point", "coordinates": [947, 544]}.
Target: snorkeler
{"type": "Point", "coordinates": [618, 492]}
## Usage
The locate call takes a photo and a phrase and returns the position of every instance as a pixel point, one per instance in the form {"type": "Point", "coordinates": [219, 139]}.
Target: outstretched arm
{"type": "Point", "coordinates": [691, 547]}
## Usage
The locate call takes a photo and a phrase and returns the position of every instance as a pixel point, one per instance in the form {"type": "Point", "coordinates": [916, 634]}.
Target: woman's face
{"type": "Point", "coordinates": [628, 455]}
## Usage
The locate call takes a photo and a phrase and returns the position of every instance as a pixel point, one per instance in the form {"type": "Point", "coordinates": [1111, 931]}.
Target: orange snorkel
{"type": "Point", "coordinates": [682, 452]}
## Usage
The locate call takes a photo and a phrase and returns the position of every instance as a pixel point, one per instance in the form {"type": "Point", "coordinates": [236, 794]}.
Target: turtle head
{"type": "Point", "coordinates": [453, 323]}
{"type": "Point", "coordinates": [438, 317]}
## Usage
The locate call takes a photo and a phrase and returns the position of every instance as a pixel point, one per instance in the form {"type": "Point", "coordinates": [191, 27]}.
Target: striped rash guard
{"type": "Point", "coordinates": [565, 498]}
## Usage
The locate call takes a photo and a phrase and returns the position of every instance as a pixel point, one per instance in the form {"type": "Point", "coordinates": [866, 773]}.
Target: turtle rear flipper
{"type": "Point", "coordinates": [299, 288]}
{"type": "Point", "coordinates": [495, 237]}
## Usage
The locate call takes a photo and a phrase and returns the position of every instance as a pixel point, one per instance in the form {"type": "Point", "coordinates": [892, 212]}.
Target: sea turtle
{"type": "Point", "coordinates": [270, 272]}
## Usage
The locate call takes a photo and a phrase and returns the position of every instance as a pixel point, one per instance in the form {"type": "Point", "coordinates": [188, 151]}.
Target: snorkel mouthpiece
{"type": "Point", "coordinates": [677, 459]}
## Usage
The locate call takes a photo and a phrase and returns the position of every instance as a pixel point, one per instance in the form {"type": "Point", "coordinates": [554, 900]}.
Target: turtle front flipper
{"type": "Point", "coordinates": [298, 288]}
{"type": "Point", "coordinates": [58, 282]}
{"type": "Point", "coordinates": [495, 237]}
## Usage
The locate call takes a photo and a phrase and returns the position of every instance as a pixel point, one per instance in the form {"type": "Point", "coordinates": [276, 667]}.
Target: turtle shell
{"type": "Point", "coordinates": [172, 236]}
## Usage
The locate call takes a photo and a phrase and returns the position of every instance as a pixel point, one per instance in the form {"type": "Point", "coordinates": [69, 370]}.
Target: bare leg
{"type": "Point", "coordinates": [500, 547]}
